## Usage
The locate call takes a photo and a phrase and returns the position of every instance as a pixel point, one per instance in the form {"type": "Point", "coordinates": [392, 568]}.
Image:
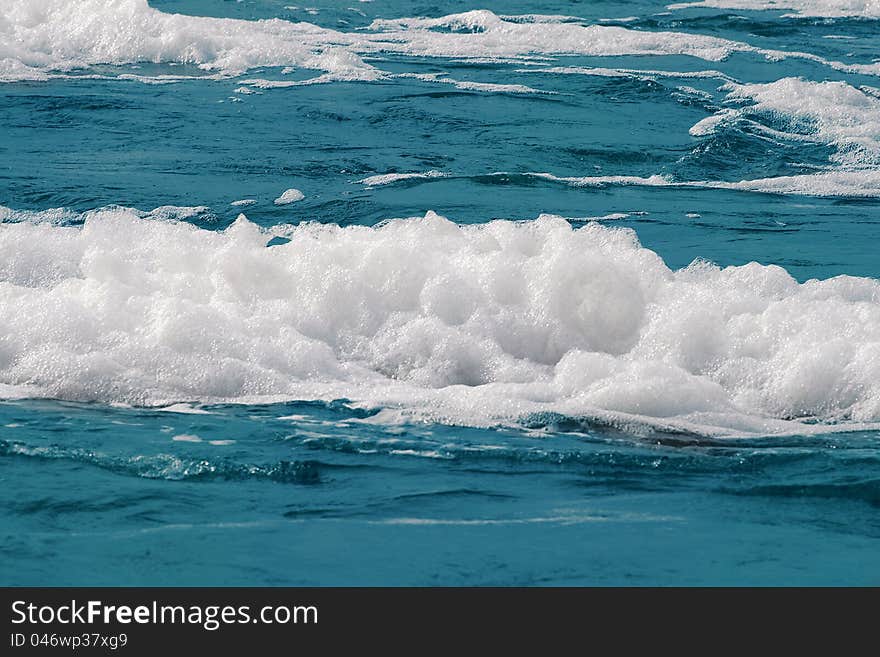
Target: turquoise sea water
{"type": "Point", "coordinates": [188, 398]}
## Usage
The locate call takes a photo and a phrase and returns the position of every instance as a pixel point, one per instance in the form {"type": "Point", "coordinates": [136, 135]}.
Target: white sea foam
{"type": "Point", "coordinates": [289, 196]}
{"type": "Point", "coordinates": [481, 33]}
{"type": "Point", "coordinates": [389, 178]}
{"type": "Point", "coordinates": [52, 215]}
{"type": "Point", "coordinates": [43, 38]}
{"type": "Point", "coordinates": [186, 438]}
{"type": "Point", "coordinates": [831, 183]}
{"type": "Point", "coordinates": [831, 113]}
{"type": "Point", "coordinates": [859, 183]}
{"type": "Point", "coordinates": [471, 324]}
{"type": "Point", "coordinates": [62, 216]}
{"type": "Point", "coordinates": [813, 8]}
{"type": "Point", "coordinates": [614, 216]}
{"type": "Point", "coordinates": [176, 212]}
{"type": "Point", "coordinates": [641, 74]}
{"type": "Point", "coordinates": [541, 18]}
{"type": "Point", "coordinates": [468, 85]}
{"type": "Point", "coordinates": [603, 181]}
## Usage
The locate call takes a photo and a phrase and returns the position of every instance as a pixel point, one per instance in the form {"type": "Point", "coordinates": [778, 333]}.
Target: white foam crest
{"type": "Point", "coordinates": [481, 33]}
{"type": "Point", "coordinates": [185, 409]}
{"type": "Point", "coordinates": [468, 85]}
{"type": "Point", "coordinates": [390, 178]}
{"type": "Point", "coordinates": [858, 183]}
{"type": "Point", "coordinates": [289, 196]}
{"type": "Point", "coordinates": [807, 8]}
{"type": "Point", "coordinates": [470, 324]}
{"type": "Point", "coordinates": [40, 36]}
{"type": "Point", "coordinates": [864, 184]}
{"type": "Point", "coordinates": [655, 180]}
{"type": "Point", "coordinates": [832, 113]}
{"type": "Point", "coordinates": [540, 18]}
{"type": "Point", "coordinates": [614, 216]}
{"type": "Point", "coordinates": [642, 74]}
{"type": "Point", "coordinates": [65, 216]}
{"type": "Point", "coordinates": [44, 38]}
{"type": "Point", "coordinates": [52, 215]}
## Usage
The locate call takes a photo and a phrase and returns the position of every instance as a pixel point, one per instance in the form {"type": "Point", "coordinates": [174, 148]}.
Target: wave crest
{"type": "Point", "coordinates": [40, 38]}
{"type": "Point", "coordinates": [472, 324]}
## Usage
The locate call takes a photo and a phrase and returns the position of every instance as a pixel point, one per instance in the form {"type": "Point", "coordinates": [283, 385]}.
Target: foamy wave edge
{"type": "Point", "coordinates": [42, 39]}
{"type": "Point", "coordinates": [477, 325]}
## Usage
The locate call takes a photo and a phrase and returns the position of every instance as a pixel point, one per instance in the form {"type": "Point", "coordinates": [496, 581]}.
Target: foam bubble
{"type": "Point", "coordinates": [289, 196]}
{"type": "Point", "coordinates": [471, 324]}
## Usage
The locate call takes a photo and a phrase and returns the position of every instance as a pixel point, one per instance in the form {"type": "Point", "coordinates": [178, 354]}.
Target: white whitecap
{"type": "Point", "coordinates": [41, 39]}
{"type": "Point", "coordinates": [289, 196]}
{"type": "Point", "coordinates": [389, 178]}
{"type": "Point", "coordinates": [187, 438]}
{"type": "Point", "coordinates": [477, 324]}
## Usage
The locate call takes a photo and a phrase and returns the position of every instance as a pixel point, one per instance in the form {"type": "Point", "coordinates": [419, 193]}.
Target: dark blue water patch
{"type": "Point", "coordinates": [848, 488]}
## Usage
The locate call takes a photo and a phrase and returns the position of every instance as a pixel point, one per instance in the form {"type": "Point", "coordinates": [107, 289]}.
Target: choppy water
{"type": "Point", "coordinates": [383, 293]}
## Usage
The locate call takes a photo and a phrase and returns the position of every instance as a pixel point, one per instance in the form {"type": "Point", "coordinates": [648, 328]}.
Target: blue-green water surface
{"type": "Point", "coordinates": [327, 493]}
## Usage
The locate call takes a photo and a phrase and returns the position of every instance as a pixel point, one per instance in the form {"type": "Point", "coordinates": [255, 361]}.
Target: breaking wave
{"type": "Point", "coordinates": [468, 324]}
{"type": "Point", "coordinates": [42, 38]}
